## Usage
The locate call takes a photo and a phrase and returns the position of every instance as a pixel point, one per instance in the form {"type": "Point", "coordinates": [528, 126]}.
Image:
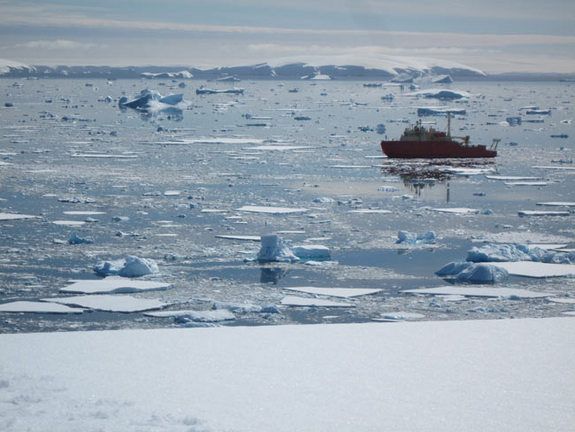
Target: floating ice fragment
{"type": "Point", "coordinates": [237, 307]}
{"type": "Point", "coordinates": [482, 273]}
{"type": "Point", "coordinates": [453, 268]}
{"type": "Point", "coordinates": [503, 252]}
{"type": "Point", "coordinates": [478, 292]}
{"type": "Point", "coordinates": [537, 269]}
{"type": "Point", "coordinates": [273, 249]}
{"type": "Point", "coordinates": [312, 302]}
{"type": "Point", "coordinates": [70, 223]}
{"type": "Point", "coordinates": [557, 204]}
{"type": "Point", "coordinates": [512, 178]}
{"type": "Point", "coordinates": [196, 316]}
{"type": "Point", "coordinates": [335, 292]}
{"type": "Point", "coordinates": [371, 211]}
{"type": "Point", "coordinates": [542, 213]}
{"type": "Point", "coordinates": [110, 303]}
{"type": "Point", "coordinates": [312, 252]}
{"type": "Point", "coordinates": [15, 216]}
{"type": "Point", "coordinates": [441, 94]}
{"type": "Point", "coordinates": [526, 183]}
{"type": "Point", "coordinates": [131, 266]}
{"type": "Point", "coordinates": [456, 210]}
{"type": "Point", "coordinates": [239, 237]}
{"type": "Point", "coordinates": [406, 237]}
{"type": "Point", "coordinates": [76, 239]}
{"type": "Point", "coordinates": [37, 307]}
{"type": "Point", "coordinates": [272, 210]}
{"type": "Point", "coordinates": [112, 284]}
{"type": "Point", "coordinates": [400, 316]}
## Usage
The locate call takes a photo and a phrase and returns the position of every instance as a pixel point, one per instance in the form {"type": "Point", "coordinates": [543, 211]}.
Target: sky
{"type": "Point", "coordinates": [492, 35]}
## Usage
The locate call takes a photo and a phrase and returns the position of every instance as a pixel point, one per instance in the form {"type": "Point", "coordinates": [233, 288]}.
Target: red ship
{"type": "Point", "coordinates": [419, 142]}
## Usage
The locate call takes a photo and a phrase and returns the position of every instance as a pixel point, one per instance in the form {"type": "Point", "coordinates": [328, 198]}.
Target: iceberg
{"type": "Point", "coordinates": [131, 266]}
{"type": "Point", "coordinates": [439, 111]}
{"type": "Point", "coordinates": [409, 238]}
{"type": "Point", "coordinates": [482, 274]}
{"type": "Point", "coordinates": [273, 249]}
{"type": "Point", "coordinates": [209, 91]}
{"type": "Point", "coordinates": [312, 252]}
{"type": "Point", "coordinates": [151, 100]}
{"type": "Point", "coordinates": [453, 268]}
{"type": "Point", "coordinates": [441, 94]}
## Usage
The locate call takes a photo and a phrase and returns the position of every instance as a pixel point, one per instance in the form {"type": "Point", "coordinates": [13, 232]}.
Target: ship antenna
{"type": "Point", "coordinates": [448, 124]}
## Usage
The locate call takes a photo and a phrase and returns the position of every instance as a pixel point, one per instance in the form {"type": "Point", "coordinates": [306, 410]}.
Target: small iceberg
{"type": "Point", "coordinates": [409, 238]}
{"type": "Point", "coordinates": [131, 266]}
{"type": "Point", "coordinates": [273, 249]}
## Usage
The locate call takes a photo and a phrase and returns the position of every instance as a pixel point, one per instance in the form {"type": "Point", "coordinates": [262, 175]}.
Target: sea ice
{"type": "Point", "coordinates": [441, 94]}
{"type": "Point", "coordinates": [478, 292]}
{"type": "Point", "coordinates": [371, 211]}
{"type": "Point", "coordinates": [312, 252]}
{"type": "Point", "coordinates": [131, 266]}
{"type": "Point", "coordinates": [196, 316]}
{"type": "Point", "coordinates": [400, 316]}
{"type": "Point", "coordinates": [241, 308]}
{"type": "Point", "coordinates": [335, 292]}
{"type": "Point", "coordinates": [457, 210]}
{"type": "Point", "coordinates": [453, 268]}
{"type": "Point", "coordinates": [503, 252]}
{"type": "Point", "coordinates": [272, 210]}
{"type": "Point", "coordinates": [482, 273]}
{"type": "Point", "coordinates": [112, 284]}
{"type": "Point", "coordinates": [38, 307]}
{"type": "Point", "coordinates": [110, 303]}
{"type": "Point", "coordinates": [543, 213]}
{"type": "Point", "coordinates": [537, 269]}
{"type": "Point", "coordinates": [76, 239]}
{"type": "Point", "coordinates": [273, 249]}
{"type": "Point", "coordinates": [15, 216]}
{"type": "Point", "coordinates": [70, 223]}
{"type": "Point", "coordinates": [557, 204]}
{"type": "Point", "coordinates": [312, 302]}
{"type": "Point", "coordinates": [409, 238]}
{"type": "Point", "coordinates": [239, 237]}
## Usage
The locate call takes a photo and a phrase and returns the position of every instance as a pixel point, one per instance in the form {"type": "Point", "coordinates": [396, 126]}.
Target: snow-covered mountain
{"type": "Point", "coordinates": [340, 67]}
{"type": "Point", "coordinates": [10, 66]}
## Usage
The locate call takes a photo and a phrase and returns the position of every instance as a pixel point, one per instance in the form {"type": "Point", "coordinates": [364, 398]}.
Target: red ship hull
{"type": "Point", "coordinates": [434, 149]}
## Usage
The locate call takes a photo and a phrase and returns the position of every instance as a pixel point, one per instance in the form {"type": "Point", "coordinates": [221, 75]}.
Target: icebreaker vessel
{"type": "Point", "coordinates": [421, 142]}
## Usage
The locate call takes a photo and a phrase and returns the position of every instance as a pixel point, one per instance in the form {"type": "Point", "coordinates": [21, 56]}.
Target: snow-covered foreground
{"type": "Point", "coordinates": [501, 375]}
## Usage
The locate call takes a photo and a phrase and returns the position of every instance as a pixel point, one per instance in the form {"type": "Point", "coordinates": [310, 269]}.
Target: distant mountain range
{"type": "Point", "coordinates": [384, 68]}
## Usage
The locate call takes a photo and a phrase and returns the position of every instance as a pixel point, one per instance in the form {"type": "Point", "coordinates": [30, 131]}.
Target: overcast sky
{"type": "Point", "coordinates": [493, 35]}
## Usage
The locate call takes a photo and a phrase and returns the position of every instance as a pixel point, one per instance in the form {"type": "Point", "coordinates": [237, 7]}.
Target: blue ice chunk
{"type": "Point", "coordinates": [453, 268]}
{"type": "Point", "coordinates": [406, 237]}
{"type": "Point", "coordinates": [482, 273]}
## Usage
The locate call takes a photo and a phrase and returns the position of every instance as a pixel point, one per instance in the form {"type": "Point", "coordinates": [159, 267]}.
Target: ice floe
{"type": "Point", "coordinates": [112, 284]}
{"type": "Point", "coordinates": [467, 291]}
{"type": "Point", "coordinates": [543, 213]}
{"type": "Point", "coordinates": [312, 302]}
{"type": "Point", "coordinates": [239, 237]}
{"type": "Point", "coordinates": [15, 216]}
{"type": "Point", "coordinates": [131, 266]}
{"type": "Point", "coordinates": [312, 252]}
{"type": "Point", "coordinates": [335, 292]}
{"type": "Point", "coordinates": [272, 210]}
{"type": "Point", "coordinates": [38, 307]}
{"type": "Point", "coordinates": [557, 204]}
{"type": "Point", "coordinates": [110, 303]}
{"type": "Point", "coordinates": [441, 94]}
{"type": "Point", "coordinates": [456, 210]}
{"type": "Point", "coordinates": [195, 316]}
{"type": "Point", "coordinates": [399, 316]}
{"type": "Point", "coordinates": [371, 211]}
{"type": "Point", "coordinates": [537, 269]}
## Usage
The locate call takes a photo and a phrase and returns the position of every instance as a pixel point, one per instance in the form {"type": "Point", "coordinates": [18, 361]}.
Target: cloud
{"type": "Point", "coordinates": [57, 44]}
